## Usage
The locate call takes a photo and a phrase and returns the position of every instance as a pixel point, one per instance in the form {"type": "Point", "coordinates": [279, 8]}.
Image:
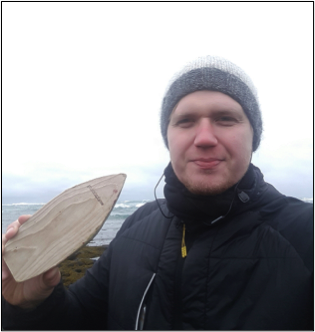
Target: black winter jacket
{"type": "Point", "coordinates": [252, 269]}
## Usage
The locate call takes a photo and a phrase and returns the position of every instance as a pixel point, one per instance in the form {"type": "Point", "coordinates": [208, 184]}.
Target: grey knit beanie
{"type": "Point", "coordinates": [214, 74]}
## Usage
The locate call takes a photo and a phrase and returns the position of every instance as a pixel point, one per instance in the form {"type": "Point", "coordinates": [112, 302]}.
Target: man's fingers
{"type": "Point", "coordinates": [5, 271]}
{"type": "Point", "coordinates": [14, 224]}
{"type": "Point", "coordinates": [13, 228]}
{"type": "Point", "coordinates": [52, 277]}
{"type": "Point", "coordinates": [24, 218]}
{"type": "Point", "coordinates": [11, 232]}
{"type": "Point", "coordinates": [4, 240]}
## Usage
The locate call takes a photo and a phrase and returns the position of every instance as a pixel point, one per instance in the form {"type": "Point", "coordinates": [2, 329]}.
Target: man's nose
{"type": "Point", "coordinates": [205, 134]}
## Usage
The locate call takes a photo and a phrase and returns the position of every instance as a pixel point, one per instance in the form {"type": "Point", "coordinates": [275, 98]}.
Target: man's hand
{"type": "Point", "coordinates": [29, 293]}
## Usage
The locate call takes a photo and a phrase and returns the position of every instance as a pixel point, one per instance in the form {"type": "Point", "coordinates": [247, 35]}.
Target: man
{"type": "Point", "coordinates": [224, 250]}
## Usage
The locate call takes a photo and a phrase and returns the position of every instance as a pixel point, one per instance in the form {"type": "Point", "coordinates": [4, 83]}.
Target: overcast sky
{"type": "Point", "coordinates": [83, 85]}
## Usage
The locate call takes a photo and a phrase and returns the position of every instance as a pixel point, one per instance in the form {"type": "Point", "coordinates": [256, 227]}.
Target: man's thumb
{"type": "Point", "coordinates": [52, 277]}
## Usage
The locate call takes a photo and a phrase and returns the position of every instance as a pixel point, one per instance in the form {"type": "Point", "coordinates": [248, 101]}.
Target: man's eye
{"type": "Point", "coordinates": [226, 120]}
{"type": "Point", "coordinates": [185, 122]}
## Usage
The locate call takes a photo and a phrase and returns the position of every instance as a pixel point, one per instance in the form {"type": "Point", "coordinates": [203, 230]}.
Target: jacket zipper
{"type": "Point", "coordinates": [142, 308]}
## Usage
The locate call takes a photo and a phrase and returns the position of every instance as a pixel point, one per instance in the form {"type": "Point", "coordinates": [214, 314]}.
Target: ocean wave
{"type": "Point", "coordinates": [118, 216]}
{"type": "Point", "coordinates": [130, 204]}
{"type": "Point", "coordinates": [19, 204]}
{"type": "Point", "coordinates": [122, 205]}
{"type": "Point", "coordinates": [139, 205]}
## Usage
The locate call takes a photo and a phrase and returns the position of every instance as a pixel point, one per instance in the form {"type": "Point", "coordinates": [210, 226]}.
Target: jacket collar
{"type": "Point", "coordinates": [191, 208]}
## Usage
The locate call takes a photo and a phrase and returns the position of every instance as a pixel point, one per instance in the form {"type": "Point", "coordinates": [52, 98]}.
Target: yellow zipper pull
{"type": "Point", "coordinates": [184, 249]}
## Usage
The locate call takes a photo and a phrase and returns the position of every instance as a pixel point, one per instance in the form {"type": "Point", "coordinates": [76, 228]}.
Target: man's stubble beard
{"type": "Point", "coordinates": [208, 187]}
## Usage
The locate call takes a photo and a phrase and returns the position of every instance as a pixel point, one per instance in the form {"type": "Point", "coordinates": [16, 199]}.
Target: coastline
{"type": "Point", "coordinates": [75, 266]}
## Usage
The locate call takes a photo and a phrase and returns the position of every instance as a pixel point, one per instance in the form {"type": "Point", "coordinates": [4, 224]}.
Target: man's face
{"type": "Point", "coordinates": [210, 142]}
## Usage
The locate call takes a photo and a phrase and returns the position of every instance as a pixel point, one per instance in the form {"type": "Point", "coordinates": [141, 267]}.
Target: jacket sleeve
{"type": "Point", "coordinates": [82, 307]}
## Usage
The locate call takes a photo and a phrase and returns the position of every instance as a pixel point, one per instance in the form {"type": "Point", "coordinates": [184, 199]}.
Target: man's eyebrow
{"type": "Point", "coordinates": [183, 115]}
{"type": "Point", "coordinates": [230, 111]}
{"type": "Point", "coordinates": [192, 113]}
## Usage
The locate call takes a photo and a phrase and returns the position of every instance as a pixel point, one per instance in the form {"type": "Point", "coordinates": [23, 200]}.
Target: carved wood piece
{"type": "Point", "coordinates": [62, 226]}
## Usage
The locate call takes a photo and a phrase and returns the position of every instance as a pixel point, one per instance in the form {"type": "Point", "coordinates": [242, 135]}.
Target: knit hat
{"type": "Point", "coordinates": [214, 74]}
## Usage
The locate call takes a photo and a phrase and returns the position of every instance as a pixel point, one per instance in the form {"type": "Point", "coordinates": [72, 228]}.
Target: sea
{"type": "Point", "coordinates": [121, 211]}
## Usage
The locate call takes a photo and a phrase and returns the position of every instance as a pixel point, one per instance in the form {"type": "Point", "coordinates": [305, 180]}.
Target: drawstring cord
{"type": "Point", "coordinates": [184, 249]}
{"type": "Point", "coordinates": [183, 246]}
{"type": "Point", "coordinates": [156, 199]}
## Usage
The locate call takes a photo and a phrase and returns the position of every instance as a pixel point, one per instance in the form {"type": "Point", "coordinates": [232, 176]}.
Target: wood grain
{"type": "Point", "coordinates": [62, 226]}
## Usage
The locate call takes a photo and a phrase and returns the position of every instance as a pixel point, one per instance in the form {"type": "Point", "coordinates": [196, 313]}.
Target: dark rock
{"type": "Point", "coordinates": [73, 256]}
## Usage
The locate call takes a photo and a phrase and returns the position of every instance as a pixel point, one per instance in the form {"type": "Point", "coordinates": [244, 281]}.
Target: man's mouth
{"type": "Point", "coordinates": [207, 163]}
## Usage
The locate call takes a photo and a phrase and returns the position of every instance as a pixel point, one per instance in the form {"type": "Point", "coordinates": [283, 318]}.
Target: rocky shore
{"type": "Point", "coordinates": [75, 266]}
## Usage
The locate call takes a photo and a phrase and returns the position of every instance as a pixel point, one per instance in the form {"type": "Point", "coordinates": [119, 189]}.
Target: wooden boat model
{"type": "Point", "coordinates": [62, 226]}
